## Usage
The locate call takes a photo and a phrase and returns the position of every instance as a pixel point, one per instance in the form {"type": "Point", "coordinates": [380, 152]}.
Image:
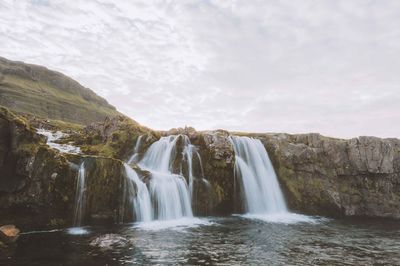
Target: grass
{"type": "Point", "coordinates": [39, 96]}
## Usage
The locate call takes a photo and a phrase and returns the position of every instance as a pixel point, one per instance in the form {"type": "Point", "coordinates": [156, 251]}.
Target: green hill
{"type": "Point", "coordinates": [33, 89]}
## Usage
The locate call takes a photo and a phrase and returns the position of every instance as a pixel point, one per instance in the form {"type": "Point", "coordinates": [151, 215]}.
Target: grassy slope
{"type": "Point", "coordinates": [36, 90]}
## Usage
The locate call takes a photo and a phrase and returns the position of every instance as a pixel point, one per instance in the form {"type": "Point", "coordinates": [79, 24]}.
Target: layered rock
{"type": "Point", "coordinates": [327, 176]}
{"type": "Point", "coordinates": [319, 175]}
{"type": "Point", "coordinates": [218, 160]}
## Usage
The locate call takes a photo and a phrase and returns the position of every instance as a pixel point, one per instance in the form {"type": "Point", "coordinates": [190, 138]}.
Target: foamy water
{"type": "Point", "coordinates": [285, 218]}
{"type": "Point", "coordinates": [176, 224]}
{"type": "Point", "coordinates": [77, 231]}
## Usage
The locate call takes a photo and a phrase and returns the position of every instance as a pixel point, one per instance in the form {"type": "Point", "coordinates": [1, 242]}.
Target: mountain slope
{"type": "Point", "coordinates": [36, 90]}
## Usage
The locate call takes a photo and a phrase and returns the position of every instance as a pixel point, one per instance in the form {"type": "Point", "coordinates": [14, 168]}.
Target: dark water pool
{"type": "Point", "coordinates": [217, 241]}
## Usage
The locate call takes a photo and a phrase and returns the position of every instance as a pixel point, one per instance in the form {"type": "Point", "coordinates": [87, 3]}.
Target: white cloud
{"type": "Point", "coordinates": [283, 66]}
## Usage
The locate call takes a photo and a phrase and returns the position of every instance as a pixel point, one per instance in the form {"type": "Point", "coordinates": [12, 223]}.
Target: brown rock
{"type": "Point", "coordinates": [9, 234]}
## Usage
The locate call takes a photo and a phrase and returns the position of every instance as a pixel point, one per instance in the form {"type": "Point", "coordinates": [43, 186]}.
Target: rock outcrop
{"type": "Point", "coordinates": [218, 160]}
{"type": "Point", "coordinates": [37, 183]}
{"type": "Point", "coordinates": [319, 175]}
{"type": "Point", "coordinates": [336, 177]}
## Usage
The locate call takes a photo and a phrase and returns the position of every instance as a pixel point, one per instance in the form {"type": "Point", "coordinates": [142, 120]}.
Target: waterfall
{"type": "Point", "coordinates": [138, 193]}
{"type": "Point", "coordinates": [135, 156]}
{"type": "Point", "coordinates": [259, 183]}
{"type": "Point", "coordinates": [169, 191]}
{"type": "Point", "coordinates": [80, 196]}
{"type": "Point", "coordinates": [190, 154]}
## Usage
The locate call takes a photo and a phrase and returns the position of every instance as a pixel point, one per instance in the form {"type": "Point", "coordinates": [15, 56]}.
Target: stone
{"type": "Point", "coordinates": [9, 234]}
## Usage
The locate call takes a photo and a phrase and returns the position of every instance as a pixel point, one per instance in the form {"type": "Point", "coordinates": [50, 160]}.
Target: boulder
{"type": "Point", "coordinates": [9, 234]}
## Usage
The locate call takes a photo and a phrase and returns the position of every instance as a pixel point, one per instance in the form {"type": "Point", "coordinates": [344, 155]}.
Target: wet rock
{"type": "Point", "coordinates": [218, 144]}
{"type": "Point", "coordinates": [327, 176]}
{"type": "Point", "coordinates": [9, 234]}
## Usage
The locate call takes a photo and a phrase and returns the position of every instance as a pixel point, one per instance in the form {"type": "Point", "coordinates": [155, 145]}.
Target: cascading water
{"type": "Point", "coordinates": [80, 195]}
{"type": "Point", "coordinates": [190, 154]}
{"type": "Point", "coordinates": [260, 187]}
{"type": "Point", "coordinates": [138, 193]}
{"type": "Point", "coordinates": [135, 156]}
{"type": "Point", "coordinates": [169, 192]}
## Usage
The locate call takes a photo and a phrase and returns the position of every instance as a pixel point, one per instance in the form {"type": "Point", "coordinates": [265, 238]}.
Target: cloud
{"type": "Point", "coordinates": [266, 66]}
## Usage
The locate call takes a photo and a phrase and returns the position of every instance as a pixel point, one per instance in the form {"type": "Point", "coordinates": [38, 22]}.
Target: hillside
{"type": "Point", "coordinates": [33, 89]}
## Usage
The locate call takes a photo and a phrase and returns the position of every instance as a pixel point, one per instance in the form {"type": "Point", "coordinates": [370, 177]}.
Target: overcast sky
{"type": "Point", "coordinates": [260, 66]}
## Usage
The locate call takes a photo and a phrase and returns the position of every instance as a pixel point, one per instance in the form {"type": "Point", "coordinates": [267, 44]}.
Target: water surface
{"type": "Point", "coordinates": [218, 241]}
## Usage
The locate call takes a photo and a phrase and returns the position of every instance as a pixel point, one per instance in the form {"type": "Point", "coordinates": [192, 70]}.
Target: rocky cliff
{"type": "Point", "coordinates": [319, 175]}
{"type": "Point", "coordinates": [327, 176]}
{"type": "Point", "coordinates": [37, 183]}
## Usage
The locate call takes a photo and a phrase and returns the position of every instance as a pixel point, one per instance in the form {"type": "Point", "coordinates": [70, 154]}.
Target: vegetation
{"type": "Point", "coordinates": [48, 94]}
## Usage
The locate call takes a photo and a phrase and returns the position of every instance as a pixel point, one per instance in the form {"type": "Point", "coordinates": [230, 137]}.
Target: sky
{"type": "Point", "coordinates": [326, 66]}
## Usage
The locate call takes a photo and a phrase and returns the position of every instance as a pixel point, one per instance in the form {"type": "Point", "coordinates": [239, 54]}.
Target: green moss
{"type": "Point", "coordinates": [120, 141]}
{"type": "Point", "coordinates": [57, 222]}
{"type": "Point", "coordinates": [219, 193]}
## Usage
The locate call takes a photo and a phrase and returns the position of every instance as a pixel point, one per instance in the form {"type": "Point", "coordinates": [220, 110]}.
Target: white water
{"type": "Point", "coordinates": [139, 194]}
{"type": "Point", "coordinates": [178, 224]}
{"type": "Point", "coordinates": [283, 217]}
{"type": "Point", "coordinates": [135, 156]}
{"type": "Point", "coordinates": [80, 195]}
{"type": "Point", "coordinates": [262, 194]}
{"type": "Point", "coordinates": [52, 137]}
{"type": "Point", "coordinates": [190, 154]}
{"type": "Point", "coordinates": [168, 191]}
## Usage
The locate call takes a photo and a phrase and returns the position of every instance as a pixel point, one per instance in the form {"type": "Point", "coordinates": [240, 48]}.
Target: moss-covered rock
{"type": "Point", "coordinates": [218, 195]}
{"type": "Point", "coordinates": [336, 177]}
{"type": "Point", "coordinates": [115, 137]}
{"type": "Point", "coordinates": [37, 184]}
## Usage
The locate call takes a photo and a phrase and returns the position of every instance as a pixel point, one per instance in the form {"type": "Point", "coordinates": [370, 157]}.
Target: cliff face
{"type": "Point", "coordinates": [30, 172]}
{"type": "Point", "coordinates": [37, 184]}
{"type": "Point", "coordinates": [319, 175]}
{"type": "Point", "coordinates": [49, 94]}
{"type": "Point", "coordinates": [327, 176]}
